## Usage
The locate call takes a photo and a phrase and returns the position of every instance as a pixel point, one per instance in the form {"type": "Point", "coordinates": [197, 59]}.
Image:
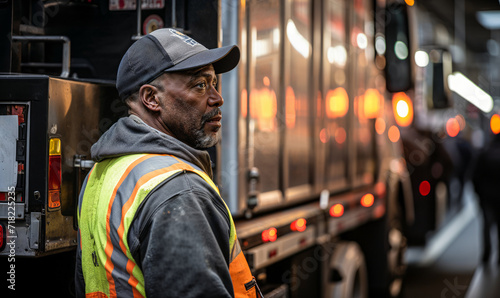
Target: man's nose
{"type": "Point", "coordinates": [215, 99]}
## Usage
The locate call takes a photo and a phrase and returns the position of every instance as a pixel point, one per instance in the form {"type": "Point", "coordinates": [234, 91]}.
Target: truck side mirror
{"type": "Point", "coordinates": [436, 90]}
{"type": "Point", "coordinates": [398, 66]}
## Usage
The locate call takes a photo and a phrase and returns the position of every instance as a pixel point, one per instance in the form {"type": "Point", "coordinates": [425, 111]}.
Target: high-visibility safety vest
{"type": "Point", "coordinates": [110, 197]}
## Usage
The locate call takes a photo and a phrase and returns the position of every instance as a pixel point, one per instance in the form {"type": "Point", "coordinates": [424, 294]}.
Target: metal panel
{"type": "Point", "coordinates": [79, 113]}
{"type": "Point", "coordinates": [285, 246]}
{"type": "Point", "coordinates": [35, 230]}
{"type": "Point", "coordinates": [78, 131]}
{"type": "Point", "coordinates": [335, 132]}
{"type": "Point", "coordinates": [18, 211]}
{"type": "Point", "coordinates": [8, 163]}
{"type": "Point", "coordinates": [231, 172]}
{"type": "Point", "coordinates": [363, 74]}
{"type": "Point", "coordinates": [297, 100]}
{"type": "Point", "coordinates": [264, 37]}
{"type": "Point", "coordinates": [354, 218]}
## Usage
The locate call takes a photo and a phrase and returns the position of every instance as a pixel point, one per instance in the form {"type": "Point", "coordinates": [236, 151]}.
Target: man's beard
{"type": "Point", "coordinates": [203, 140]}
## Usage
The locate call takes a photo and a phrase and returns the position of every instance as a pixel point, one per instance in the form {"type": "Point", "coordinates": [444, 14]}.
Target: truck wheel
{"type": "Point", "coordinates": [396, 263]}
{"type": "Point", "coordinates": [394, 250]}
{"type": "Point", "coordinates": [348, 275]}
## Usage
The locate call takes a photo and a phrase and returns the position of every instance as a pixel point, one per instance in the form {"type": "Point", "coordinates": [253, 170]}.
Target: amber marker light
{"type": "Point", "coordinates": [495, 124]}
{"type": "Point", "coordinates": [337, 103]}
{"type": "Point", "coordinates": [403, 109]}
{"type": "Point", "coordinates": [367, 200]}
{"type": "Point", "coordinates": [298, 225]}
{"type": "Point", "coordinates": [337, 210]}
{"type": "Point", "coordinates": [372, 103]}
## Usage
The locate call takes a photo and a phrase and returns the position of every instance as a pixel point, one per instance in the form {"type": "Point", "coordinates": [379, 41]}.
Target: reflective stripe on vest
{"type": "Point", "coordinates": [111, 195]}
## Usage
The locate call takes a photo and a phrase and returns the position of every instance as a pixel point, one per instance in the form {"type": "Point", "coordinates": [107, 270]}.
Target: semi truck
{"type": "Point", "coordinates": [311, 162]}
{"type": "Point", "coordinates": [440, 125]}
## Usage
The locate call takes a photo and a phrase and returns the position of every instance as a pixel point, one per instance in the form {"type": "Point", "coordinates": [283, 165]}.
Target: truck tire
{"type": "Point", "coordinates": [348, 274]}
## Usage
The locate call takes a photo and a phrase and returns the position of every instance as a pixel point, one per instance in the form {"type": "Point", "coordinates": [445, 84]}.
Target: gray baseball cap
{"type": "Point", "coordinates": [168, 50]}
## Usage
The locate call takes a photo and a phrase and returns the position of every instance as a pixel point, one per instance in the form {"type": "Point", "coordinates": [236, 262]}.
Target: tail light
{"type": "Point", "coordinates": [2, 236]}
{"type": "Point", "coordinates": [55, 177]}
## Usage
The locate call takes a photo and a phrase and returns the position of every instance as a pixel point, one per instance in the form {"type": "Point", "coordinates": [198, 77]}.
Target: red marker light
{"type": "Point", "coordinates": [298, 225]}
{"type": "Point", "coordinates": [367, 200]}
{"type": "Point", "coordinates": [270, 235]}
{"type": "Point", "coordinates": [424, 188]}
{"type": "Point", "coordinates": [337, 210]}
{"type": "Point", "coordinates": [265, 236]}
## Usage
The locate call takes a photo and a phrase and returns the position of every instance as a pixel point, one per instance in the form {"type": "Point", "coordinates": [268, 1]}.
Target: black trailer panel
{"type": "Point", "coordinates": [72, 113]}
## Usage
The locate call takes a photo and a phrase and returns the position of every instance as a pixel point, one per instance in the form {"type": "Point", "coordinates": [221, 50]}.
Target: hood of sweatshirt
{"type": "Point", "coordinates": [130, 135]}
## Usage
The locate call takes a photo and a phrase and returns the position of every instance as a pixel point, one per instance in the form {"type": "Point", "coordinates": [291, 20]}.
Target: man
{"type": "Point", "coordinates": [486, 177]}
{"type": "Point", "coordinates": [151, 221]}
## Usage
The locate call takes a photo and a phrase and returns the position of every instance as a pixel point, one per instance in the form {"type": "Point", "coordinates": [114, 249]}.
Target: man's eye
{"type": "Point", "coordinates": [202, 85]}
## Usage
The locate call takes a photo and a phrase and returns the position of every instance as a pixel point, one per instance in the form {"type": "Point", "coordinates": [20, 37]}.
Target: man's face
{"type": "Point", "coordinates": [190, 107]}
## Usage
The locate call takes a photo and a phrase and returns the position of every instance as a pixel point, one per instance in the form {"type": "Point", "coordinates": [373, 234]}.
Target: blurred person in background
{"type": "Point", "coordinates": [486, 179]}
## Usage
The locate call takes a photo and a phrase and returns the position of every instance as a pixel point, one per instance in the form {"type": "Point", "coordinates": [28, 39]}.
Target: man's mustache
{"type": "Point", "coordinates": [210, 115]}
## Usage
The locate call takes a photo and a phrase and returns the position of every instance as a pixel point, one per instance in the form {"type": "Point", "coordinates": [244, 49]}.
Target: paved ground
{"type": "Point", "coordinates": [448, 265]}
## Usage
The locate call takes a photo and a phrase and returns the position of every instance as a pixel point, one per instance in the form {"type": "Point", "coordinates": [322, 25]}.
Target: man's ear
{"type": "Point", "coordinates": [148, 95]}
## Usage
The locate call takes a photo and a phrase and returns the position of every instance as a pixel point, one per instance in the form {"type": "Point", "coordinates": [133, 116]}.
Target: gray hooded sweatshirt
{"type": "Point", "coordinates": [185, 254]}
